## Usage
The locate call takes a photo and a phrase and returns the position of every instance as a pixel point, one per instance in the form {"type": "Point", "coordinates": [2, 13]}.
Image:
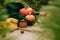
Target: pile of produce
{"type": "Point", "coordinates": [19, 12]}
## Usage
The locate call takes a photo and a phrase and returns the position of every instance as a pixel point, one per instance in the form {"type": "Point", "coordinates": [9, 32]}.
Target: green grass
{"type": "Point", "coordinates": [54, 22]}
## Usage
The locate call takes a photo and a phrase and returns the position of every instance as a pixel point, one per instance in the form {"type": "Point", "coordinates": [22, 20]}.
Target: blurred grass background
{"type": "Point", "coordinates": [54, 22]}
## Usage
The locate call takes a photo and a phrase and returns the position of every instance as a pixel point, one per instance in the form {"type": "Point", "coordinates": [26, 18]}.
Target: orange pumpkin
{"type": "Point", "coordinates": [30, 17]}
{"type": "Point", "coordinates": [26, 11]}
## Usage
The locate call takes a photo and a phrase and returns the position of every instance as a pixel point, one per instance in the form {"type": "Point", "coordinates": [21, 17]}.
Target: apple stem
{"type": "Point", "coordinates": [30, 13]}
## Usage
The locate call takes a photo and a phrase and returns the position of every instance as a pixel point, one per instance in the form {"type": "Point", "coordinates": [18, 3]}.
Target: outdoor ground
{"type": "Point", "coordinates": [47, 34]}
{"type": "Point", "coordinates": [50, 25]}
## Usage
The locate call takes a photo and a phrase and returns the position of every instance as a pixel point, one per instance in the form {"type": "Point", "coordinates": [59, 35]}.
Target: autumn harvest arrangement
{"type": "Point", "coordinates": [20, 16]}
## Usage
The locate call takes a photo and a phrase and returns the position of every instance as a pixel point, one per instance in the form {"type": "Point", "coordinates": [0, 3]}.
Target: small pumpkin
{"type": "Point", "coordinates": [25, 11]}
{"type": "Point", "coordinates": [30, 18]}
{"type": "Point", "coordinates": [42, 14]}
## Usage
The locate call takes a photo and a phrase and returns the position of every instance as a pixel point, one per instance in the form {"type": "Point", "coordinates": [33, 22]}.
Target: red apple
{"type": "Point", "coordinates": [30, 18]}
{"type": "Point", "coordinates": [26, 11]}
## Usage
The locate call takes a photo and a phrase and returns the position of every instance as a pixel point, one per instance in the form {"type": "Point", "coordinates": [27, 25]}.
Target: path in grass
{"type": "Point", "coordinates": [47, 34]}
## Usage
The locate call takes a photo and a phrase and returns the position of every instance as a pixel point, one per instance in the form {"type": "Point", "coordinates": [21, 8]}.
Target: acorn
{"type": "Point", "coordinates": [22, 24]}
